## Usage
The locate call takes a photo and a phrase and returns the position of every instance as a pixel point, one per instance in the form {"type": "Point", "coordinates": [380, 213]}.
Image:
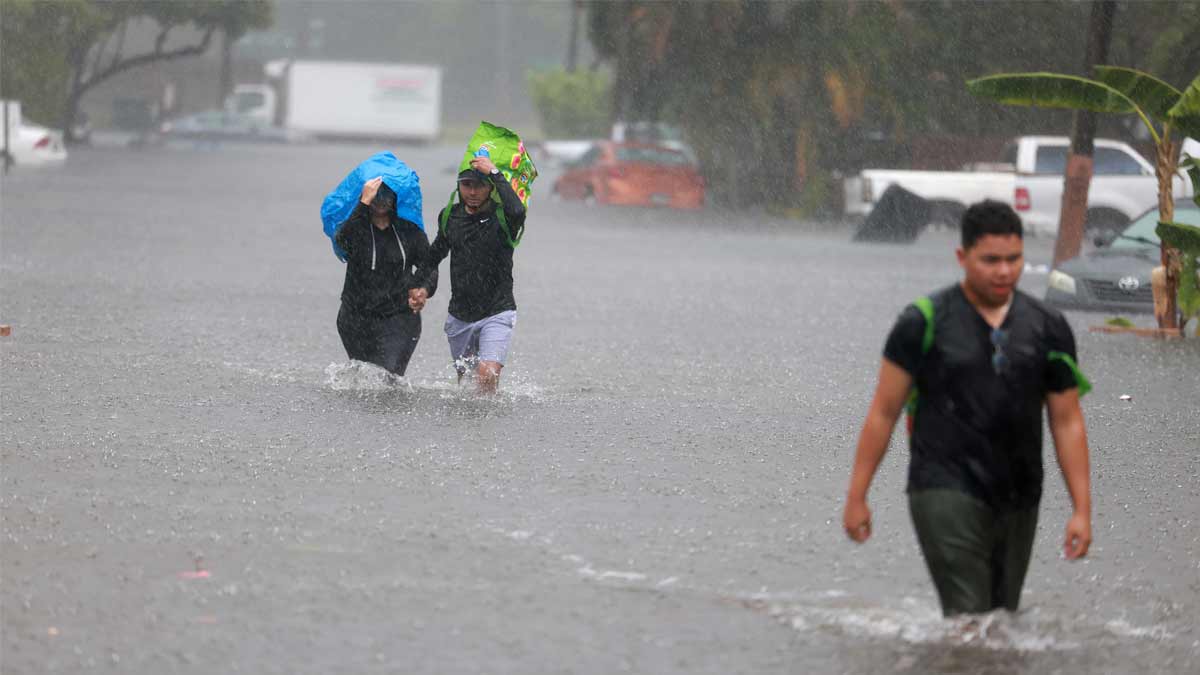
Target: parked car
{"type": "Point", "coordinates": [220, 125]}
{"type": "Point", "coordinates": [634, 174]}
{"type": "Point", "coordinates": [1029, 177]}
{"type": "Point", "coordinates": [1116, 276]}
{"type": "Point", "coordinates": [30, 144]}
{"type": "Point", "coordinates": [35, 145]}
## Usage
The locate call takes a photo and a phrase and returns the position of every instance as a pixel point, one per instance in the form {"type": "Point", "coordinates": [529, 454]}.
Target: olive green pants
{"type": "Point", "coordinates": [976, 555]}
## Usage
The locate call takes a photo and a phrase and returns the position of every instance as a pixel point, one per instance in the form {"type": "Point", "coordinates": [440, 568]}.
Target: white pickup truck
{"type": "Point", "coordinates": [1030, 178]}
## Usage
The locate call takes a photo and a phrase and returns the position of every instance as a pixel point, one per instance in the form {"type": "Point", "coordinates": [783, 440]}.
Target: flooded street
{"type": "Point", "coordinates": [193, 479]}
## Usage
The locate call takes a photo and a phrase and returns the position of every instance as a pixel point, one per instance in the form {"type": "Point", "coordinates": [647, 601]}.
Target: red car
{"type": "Point", "coordinates": [633, 173]}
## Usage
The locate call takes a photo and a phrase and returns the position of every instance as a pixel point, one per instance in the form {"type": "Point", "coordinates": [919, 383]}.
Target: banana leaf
{"type": "Point", "coordinates": [1182, 236]}
{"type": "Point", "coordinates": [1051, 90]}
{"type": "Point", "coordinates": [1150, 93]}
{"type": "Point", "coordinates": [1185, 114]}
{"type": "Point", "coordinates": [1186, 238]}
{"type": "Point", "coordinates": [1192, 166]}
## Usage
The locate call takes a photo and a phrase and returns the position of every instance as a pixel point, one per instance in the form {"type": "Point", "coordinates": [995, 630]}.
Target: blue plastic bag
{"type": "Point", "coordinates": [340, 203]}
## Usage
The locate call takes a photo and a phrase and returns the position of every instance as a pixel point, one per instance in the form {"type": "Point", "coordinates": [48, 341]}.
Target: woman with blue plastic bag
{"type": "Point", "coordinates": [385, 256]}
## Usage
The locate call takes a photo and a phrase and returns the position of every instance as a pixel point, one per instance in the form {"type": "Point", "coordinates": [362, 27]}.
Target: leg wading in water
{"type": "Point", "coordinates": [481, 346]}
{"type": "Point", "coordinates": [387, 342]}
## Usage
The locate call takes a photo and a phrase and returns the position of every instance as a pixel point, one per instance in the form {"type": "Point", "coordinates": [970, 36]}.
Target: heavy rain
{"type": "Point", "coordinates": [196, 478]}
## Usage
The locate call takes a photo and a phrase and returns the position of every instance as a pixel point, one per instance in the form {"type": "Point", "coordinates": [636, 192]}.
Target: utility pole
{"type": "Point", "coordinates": [8, 160]}
{"type": "Point", "coordinates": [625, 61]}
{"type": "Point", "coordinates": [503, 46]}
{"type": "Point", "coordinates": [1078, 179]}
{"type": "Point", "coordinates": [573, 37]}
{"type": "Point", "coordinates": [226, 84]}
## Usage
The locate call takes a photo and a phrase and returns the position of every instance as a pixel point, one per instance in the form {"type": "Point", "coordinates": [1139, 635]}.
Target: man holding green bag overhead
{"type": "Point", "coordinates": [480, 233]}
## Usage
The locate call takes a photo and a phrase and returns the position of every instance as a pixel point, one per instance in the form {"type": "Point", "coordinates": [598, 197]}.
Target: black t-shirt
{"type": "Point", "coordinates": [978, 425]}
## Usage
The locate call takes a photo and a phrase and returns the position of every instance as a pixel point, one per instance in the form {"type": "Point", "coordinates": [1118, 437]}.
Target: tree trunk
{"type": "Point", "coordinates": [1073, 214]}
{"type": "Point", "coordinates": [1164, 168]}
{"type": "Point", "coordinates": [226, 84]}
{"type": "Point", "coordinates": [76, 59]}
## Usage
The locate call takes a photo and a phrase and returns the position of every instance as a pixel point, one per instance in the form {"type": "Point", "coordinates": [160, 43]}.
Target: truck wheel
{"type": "Point", "coordinates": [1105, 223]}
{"type": "Point", "coordinates": [946, 215]}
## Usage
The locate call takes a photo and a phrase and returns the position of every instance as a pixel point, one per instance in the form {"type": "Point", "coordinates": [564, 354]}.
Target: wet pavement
{"type": "Point", "coordinates": [193, 479]}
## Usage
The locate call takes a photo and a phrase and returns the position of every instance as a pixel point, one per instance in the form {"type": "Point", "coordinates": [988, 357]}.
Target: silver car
{"type": "Point", "coordinates": [1115, 277]}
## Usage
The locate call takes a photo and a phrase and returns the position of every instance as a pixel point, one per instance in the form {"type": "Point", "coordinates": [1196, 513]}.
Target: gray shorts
{"type": "Point", "coordinates": [483, 340]}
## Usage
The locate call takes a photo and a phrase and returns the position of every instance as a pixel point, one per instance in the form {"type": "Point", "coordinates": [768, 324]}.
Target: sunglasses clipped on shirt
{"type": "Point", "coordinates": [999, 339]}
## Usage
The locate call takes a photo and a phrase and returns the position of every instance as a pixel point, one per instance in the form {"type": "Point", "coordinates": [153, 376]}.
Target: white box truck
{"type": "Point", "coordinates": [346, 99]}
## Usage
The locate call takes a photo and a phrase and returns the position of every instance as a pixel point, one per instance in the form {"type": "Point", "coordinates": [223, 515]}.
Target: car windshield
{"type": "Point", "coordinates": [651, 156]}
{"type": "Point", "coordinates": [1143, 228]}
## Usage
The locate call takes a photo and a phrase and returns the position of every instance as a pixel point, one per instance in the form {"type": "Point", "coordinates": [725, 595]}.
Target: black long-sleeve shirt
{"type": "Point", "coordinates": [382, 265]}
{"type": "Point", "coordinates": [481, 257]}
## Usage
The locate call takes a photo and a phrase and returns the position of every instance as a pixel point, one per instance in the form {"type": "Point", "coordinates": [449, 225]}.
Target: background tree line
{"type": "Point", "coordinates": [53, 53]}
{"type": "Point", "coordinates": [779, 97]}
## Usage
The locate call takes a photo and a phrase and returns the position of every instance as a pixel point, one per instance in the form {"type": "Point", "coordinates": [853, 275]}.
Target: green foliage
{"type": "Point", "coordinates": [1051, 90]}
{"type": "Point", "coordinates": [1186, 238]}
{"type": "Point", "coordinates": [1192, 166]}
{"type": "Point", "coordinates": [1180, 235]}
{"type": "Point", "coordinates": [571, 105]}
{"type": "Point", "coordinates": [34, 40]}
{"type": "Point", "coordinates": [1120, 322]}
{"type": "Point", "coordinates": [1148, 92]}
{"type": "Point", "coordinates": [50, 50]}
{"type": "Point", "coordinates": [1185, 115]}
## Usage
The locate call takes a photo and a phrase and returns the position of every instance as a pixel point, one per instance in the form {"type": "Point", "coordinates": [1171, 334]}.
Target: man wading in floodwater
{"type": "Point", "coordinates": [983, 358]}
{"type": "Point", "coordinates": [479, 240]}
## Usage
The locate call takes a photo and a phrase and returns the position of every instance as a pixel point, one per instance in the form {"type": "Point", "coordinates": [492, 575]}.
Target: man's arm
{"type": "Point", "coordinates": [1070, 444]}
{"type": "Point", "coordinates": [426, 275]}
{"type": "Point", "coordinates": [514, 210]}
{"type": "Point", "coordinates": [890, 395]}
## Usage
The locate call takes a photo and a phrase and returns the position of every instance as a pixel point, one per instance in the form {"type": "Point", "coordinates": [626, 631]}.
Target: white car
{"type": "Point", "coordinates": [33, 145]}
{"type": "Point", "coordinates": [1191, 147]}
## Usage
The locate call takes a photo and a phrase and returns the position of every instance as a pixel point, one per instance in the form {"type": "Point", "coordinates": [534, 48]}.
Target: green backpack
{"type": "Point", "coordinates": [925, 305]}
{"type": "Point", "coordinates": [508, 153]}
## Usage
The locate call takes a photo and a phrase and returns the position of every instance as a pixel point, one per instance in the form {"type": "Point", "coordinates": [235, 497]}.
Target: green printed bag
{"type": "Point", "coordinates": [508, 153]}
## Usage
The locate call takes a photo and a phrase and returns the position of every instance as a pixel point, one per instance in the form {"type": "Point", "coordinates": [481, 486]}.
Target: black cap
{"type": "Point", "coordinates": [472, 174]}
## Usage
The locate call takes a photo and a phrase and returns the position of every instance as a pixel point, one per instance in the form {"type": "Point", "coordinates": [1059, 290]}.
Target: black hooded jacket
{"type": "Point", "coordinates": [481, 255]}
{"type": "Point", "coordinates": [382, 265]}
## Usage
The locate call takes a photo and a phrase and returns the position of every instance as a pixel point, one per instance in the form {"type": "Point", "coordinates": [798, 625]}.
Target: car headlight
{"type": "Point", "coordinates": [1062, 282]}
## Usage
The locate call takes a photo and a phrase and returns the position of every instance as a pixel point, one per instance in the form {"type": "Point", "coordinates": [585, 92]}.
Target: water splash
{"type": "Point", "coordinates": [366, 377]}
{"type": "Point", "coordinates": [921, 623]}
